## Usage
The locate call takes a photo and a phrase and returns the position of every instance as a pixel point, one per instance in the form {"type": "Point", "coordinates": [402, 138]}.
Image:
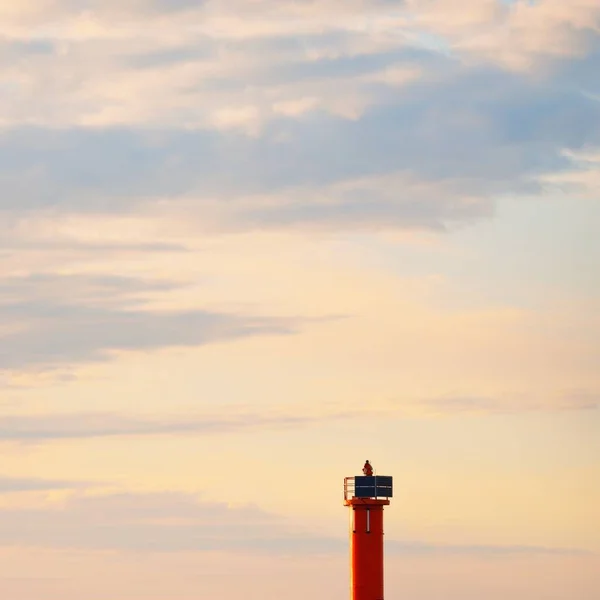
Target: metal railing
{"type": "Point", "coordinates": [349, 487]}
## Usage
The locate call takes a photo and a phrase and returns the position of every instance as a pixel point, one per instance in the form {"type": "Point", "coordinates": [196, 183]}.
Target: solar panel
{"type": "Point", "coordinates": [379, 486]}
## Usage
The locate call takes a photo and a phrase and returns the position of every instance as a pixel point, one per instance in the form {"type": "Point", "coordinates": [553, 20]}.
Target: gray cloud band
{"type": "Point", "coordinates": [164, 522]}
{"type": "Point", "coordinates": [69, 319]}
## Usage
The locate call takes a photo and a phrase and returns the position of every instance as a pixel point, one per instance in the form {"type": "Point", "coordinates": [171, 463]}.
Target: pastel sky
{"type": "Point", "coordinates": [247, 244]}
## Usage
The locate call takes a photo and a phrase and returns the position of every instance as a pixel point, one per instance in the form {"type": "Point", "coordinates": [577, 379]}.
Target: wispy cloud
{"type": "Point", "coordinates": [172, 522]}
{"type": "Point", "coordinates": [517, 35]}
{"type": "Point", "coordinates": [33, 484]}
{"type": "Point", "coordinates": [56, 426]}
{"type": "Point", "coordinates": [508, 403]}
{"type": "Point", "coordinates": [48, 321]}
{"type": "Point", "coordinates": [45, 428]}
{"type": "Point", "coordinates": [582, 179]}
{"type": "Point", "coordinates": [415, 548]}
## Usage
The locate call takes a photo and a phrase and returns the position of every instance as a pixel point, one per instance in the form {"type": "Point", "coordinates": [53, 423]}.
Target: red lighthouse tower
{"type": "Point", "coordinates": [367, 495]}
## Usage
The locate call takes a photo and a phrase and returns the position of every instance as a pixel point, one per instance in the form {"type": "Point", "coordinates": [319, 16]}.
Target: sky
{"type": "Point", "coordinates": [246, 245]}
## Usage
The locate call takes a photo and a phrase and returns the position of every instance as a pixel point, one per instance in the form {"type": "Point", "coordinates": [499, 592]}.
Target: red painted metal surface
{"type": "Point", "coordinates": [366, 548]}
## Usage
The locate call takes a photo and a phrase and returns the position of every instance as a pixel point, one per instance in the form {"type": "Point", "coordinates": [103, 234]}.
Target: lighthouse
{"type": "Point", "coordinates": [366, 495]}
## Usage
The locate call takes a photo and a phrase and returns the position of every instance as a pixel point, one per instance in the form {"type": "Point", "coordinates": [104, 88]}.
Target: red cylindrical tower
{"type": "Point", "coordinates": [366, 496]}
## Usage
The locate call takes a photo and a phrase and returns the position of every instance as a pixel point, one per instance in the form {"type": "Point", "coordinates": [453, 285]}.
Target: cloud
{"type": "Point", "coordinates": [201, 71]}
{"type": "Point", "coordinates": [276, 115]}
{"type": "Point", "coordinates": [31, 484]}
{"type": "Point", "coordinates": [416, 548]}
{"type": "Point", "coordinates": [452, 405]}
{"type": "Point", "coordinates": [76, 426]}
{"type": "Point", "coordinates": [582, 179]}
{"type": "Point", "coordinates": [442, 151]}
{"type": "Point", "coordinates": [52, 320]}
{"type": "Point", "coordinates": [163, 522]}
{"type": "Point", "coordinates": [372, 203]}
{"type": "Point", "coordinates": [81, 247]}
{"type": "Point", "coordinates": [51, 427]}
{"type": "Point", "coordinates": [518, 35]}
{"type": "Point", "coordinates": [237, 65]}
{"type": "Point", "coordinates": [173, 522]}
